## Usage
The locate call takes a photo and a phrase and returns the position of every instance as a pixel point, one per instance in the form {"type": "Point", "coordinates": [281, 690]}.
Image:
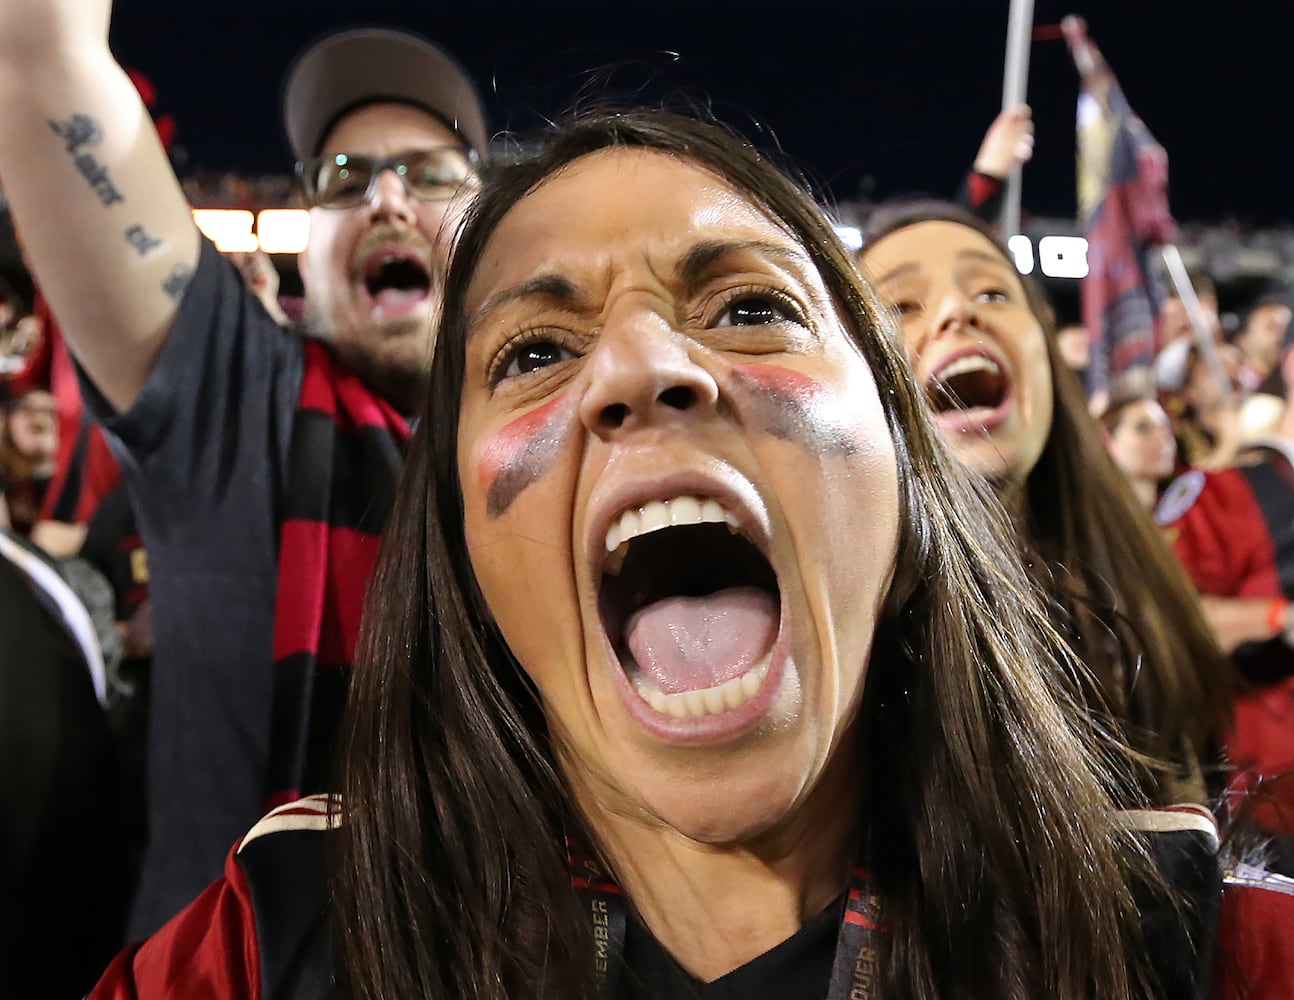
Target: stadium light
{"type": "Point", "coordinates": [277, 230]}
{"type": "Point", "coordinates": [229, 229]}
{"type": "Point", "coordinates": [283, 230]}
{"type": "Point", "coordinates": [850, 236]}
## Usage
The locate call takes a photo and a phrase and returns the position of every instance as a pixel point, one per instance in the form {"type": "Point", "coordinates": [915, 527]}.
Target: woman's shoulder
{"type": "Point", "coordinates": [312, 814]}
{"type": "Point", "coordinates": [260, 931]}
{"type": "Point", "coordinates": [284, 860]}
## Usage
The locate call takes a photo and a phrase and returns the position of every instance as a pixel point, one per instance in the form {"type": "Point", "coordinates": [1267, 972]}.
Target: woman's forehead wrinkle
{"type": "Point", "coordinates": [696, 265]}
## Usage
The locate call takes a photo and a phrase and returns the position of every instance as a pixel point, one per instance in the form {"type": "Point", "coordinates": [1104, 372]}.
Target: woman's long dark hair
{"type": "Point", "coordinates": [1118, 594]}
{"type": "Point", "coordinates": [988, 801]}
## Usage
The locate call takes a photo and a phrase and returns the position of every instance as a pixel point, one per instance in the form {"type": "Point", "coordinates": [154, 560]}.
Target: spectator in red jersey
{"type": "Point", "coordinates": [1233, 529]}
{"type": "Point", "coordinates": [1142, 445]}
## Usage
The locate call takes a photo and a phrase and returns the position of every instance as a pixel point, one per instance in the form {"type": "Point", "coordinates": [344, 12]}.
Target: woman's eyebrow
{"type": "Point", "coordinates": [984, 257]}
{"type": "Point", "coordinates": [898, 271]}
{"type": "Point", "coordinates": [550, 285]}
{"type": "Point", "coordinates": [692, 268]}
{"type": "Point", "coordinates": [695, 265]}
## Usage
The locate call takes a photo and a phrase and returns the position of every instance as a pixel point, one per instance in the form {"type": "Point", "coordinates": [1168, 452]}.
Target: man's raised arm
{"type": "Point", "coordinates": [105, 226]}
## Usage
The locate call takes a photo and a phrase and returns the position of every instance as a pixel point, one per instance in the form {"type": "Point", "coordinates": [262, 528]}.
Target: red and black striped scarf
{"type": "Point", "coordinates": [345, 458]}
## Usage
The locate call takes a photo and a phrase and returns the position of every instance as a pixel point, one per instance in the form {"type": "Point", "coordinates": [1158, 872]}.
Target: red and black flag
{"type": "Point", "coordinates": [1123, 208]}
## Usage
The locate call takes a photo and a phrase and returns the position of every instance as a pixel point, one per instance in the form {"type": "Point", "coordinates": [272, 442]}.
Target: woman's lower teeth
{"type": "Point", "coordinates": [715, 700]}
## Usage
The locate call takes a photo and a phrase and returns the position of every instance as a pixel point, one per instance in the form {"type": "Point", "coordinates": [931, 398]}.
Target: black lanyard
{"type": "Point", "coordinates": [853, 973]}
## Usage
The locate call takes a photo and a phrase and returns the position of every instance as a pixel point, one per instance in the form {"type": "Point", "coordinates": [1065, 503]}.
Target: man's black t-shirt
{"type": "Point", "coordinates": [203, 452]}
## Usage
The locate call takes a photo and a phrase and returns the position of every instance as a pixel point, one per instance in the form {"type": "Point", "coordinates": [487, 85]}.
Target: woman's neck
{"type": "Point", "coordinates": [1145, 490]}
{"type": "Point", "coordinates": [715, 907]}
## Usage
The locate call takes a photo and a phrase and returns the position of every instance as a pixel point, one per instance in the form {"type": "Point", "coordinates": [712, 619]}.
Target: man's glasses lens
{"type": "Point", "coordinates": [343, 181]}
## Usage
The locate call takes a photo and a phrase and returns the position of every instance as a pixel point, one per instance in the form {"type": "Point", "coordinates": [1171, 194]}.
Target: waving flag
{"type": "Point", "coordinates": [1123, 207]}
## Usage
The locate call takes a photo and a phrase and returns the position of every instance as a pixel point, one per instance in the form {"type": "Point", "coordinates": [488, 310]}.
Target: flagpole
{"type": "Point", "coordinates": [1015, 80]}
{"type": "Point", "coordinates": [1195, 312]}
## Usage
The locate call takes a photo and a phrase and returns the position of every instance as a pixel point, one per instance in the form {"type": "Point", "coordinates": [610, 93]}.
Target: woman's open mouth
{"type": "Point", "coordinates": [969, 391]}
{"type": "Point", "coordinates": [692, 611]}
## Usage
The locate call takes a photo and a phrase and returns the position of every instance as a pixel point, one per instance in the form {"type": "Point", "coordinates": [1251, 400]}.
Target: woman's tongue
{"type": "Point", "coordinates": [691, 643]}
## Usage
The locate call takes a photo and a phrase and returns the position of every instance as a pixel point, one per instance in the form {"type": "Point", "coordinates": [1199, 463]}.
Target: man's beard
{"type": "Point", "coordinates": [320, 322]}
{"type": "Point", "coordinates": [392, 358]}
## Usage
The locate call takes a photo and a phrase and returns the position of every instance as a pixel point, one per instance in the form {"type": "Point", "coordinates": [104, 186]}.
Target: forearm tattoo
{"type": "Point", "coordinates": [177, 281]}
{"type": "Point", "coordinates": [141, 242]}
{"type": "Point", "coordinates": [78, 133]}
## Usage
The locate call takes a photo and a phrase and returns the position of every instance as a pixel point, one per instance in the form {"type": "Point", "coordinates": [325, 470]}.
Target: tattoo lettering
{"type": "Point", "coordinates": [793, 407]}
{"type": "Point", "coordinates": [77, 133]}
{"type": "Point", "coordinates": [177, 281]}
{"type": "Point", "coordinates": [143, 244]}
{"type": "Point", "coordinates": [521, 453]}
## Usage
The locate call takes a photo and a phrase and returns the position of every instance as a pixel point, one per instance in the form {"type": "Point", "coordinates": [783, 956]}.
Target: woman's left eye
{"type": "Point", "coordinates": [755, 310]}
{"type": "Point", "coordinates": [991, 295]}
{"type": "Point", "coordinates": [532, 356]}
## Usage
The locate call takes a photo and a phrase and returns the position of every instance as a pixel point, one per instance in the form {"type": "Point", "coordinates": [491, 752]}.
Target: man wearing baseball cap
{"type": "Point", "coordinates": [261, 464]}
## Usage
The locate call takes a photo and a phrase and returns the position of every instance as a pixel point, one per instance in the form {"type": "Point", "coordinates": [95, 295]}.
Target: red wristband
{"type": "Point", "coordinates": [1276, 615]}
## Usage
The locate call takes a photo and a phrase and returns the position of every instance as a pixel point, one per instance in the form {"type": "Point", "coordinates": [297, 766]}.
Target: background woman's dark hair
{"type": "Point", "coordinates": [1112, 416]}
{"type": "Point", "coordinates": [1119, 595]}
{"type": "Point", "coordinates": [990, 827]}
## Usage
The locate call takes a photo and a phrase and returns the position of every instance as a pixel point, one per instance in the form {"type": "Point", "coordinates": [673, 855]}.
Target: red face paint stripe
{"type": "Point", "coordinates": [784, 381]}
{"type": "Point", "coordinates": [794, 407]}
{"type": "Point", "coordinates": [518, 455]}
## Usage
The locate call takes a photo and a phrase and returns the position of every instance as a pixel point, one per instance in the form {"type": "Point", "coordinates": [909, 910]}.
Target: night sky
{"type": "Point", "coordinates": [888, 98]}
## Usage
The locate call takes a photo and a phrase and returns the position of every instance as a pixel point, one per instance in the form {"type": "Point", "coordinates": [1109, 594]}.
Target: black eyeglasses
{"type": "Point", "coordinates": [343, 180]}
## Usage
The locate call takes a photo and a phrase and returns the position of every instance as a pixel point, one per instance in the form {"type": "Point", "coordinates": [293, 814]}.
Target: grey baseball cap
{"type": "Point", "coordinates": [345, 71]}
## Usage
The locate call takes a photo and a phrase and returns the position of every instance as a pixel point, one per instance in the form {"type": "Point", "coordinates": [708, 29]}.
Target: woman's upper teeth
{"type": "Point", "coordinates": [964, 365]}
{"type": "Point", "coordinates": [658, 514]}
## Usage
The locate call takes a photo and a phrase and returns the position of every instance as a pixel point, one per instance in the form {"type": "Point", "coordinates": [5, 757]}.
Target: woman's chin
{"type": "Point", "coordinates": [987, 459]}
{"type": "Point", "coordinates": [725, 812]}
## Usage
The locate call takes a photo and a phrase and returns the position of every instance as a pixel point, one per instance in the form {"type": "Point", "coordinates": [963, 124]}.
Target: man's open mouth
{"type": "Point", "coordinates": [691, 606]}
{"type": "Point", "coordinates": [969, 382]}
{"type": "Point", "coordinates": [397, 279]}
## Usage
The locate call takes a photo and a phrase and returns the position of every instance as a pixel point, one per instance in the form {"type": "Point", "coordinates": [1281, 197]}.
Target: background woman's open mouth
{"type": "Point", "coordinates": [969, 393]}
{"type": "Point", "coordinates": [970, 382]}
{"type": "Point", "coordinates": [691, 607]}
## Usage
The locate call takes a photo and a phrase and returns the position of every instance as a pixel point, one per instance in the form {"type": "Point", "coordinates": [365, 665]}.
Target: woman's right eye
{"type": "Point", "coordinates": [907, 307]}
{"type": "Point", "coordinates": [533, 356]}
